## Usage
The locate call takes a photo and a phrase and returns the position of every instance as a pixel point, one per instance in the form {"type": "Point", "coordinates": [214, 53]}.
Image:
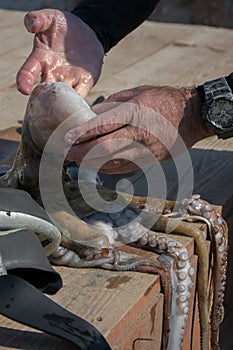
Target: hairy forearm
{"type": "Point", "coordinates": [112, 20]}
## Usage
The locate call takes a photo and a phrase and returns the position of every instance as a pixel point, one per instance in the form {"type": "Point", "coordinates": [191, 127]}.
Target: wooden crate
{"type": "Point", "coordinates": [127, 307]}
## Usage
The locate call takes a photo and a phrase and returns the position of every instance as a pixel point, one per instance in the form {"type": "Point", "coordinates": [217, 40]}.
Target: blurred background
{"type": "Point", "coordinates": [209, 12]}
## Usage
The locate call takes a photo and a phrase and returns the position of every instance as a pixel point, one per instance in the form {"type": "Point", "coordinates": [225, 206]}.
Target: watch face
{"type": "Point", "coordinates": [221, 113]}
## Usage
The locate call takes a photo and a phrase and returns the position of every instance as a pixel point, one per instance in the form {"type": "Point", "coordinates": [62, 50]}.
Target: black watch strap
{"type": "Point", "coordinates": [23, 303]}
{"type": "Point", "coordinates": [201, 91]}
{"type": "Point", "coordinates": [229, 80]}
{"type": "Point", "coordinates": [217, 88]}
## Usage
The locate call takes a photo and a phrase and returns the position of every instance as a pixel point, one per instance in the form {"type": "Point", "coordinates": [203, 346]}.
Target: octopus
{"type": "Point", "coordinates": [79, 235]}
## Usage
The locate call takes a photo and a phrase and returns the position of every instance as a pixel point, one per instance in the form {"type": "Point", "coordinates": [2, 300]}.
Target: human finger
{"type": "Point", "coordinates": [104, 123]}
{"type": "Point", "coordinates": [27, 75]}
{"type": "Point", "coordinates": [84, 84]}
{"type": "Point", "coordinates": [115, 156]}
{"type": "Point", "coordinates": [124, 143]}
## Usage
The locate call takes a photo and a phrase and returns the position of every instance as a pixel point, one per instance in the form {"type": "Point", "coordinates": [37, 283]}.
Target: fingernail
{"type": "Point", "coordinates": [71, 137]}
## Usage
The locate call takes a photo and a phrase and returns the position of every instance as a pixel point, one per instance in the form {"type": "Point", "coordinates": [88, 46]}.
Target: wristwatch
{"type": "Point", "coordinates": [217, 111]}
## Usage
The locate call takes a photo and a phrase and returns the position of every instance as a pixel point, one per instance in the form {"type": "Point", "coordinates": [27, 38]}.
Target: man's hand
{"type": "Point", "coordinates": [65, 49]}
{"type": "Point", "coordinates": [137, 127]}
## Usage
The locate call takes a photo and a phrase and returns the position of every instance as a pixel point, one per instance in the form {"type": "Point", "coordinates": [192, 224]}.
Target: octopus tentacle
{"type": "Point", "coordinates": [44, 229]}
{"type": "Point", "coordinates": [202, 276]}
{"type": "Point", "coordinates": [219, 239]}
{"type": "Point", "coordinates": [112, 260]}
{"type": "Point", "coordinates": [181, 274]}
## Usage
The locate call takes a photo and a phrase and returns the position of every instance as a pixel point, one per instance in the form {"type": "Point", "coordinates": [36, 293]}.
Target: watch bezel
{"type": "Point", "coordinates": [210, 115]}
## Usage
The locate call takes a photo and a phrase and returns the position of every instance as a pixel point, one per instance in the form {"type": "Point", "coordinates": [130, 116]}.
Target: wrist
{"type": "Point", "coordinates": [198, 128]}
{"type": "Point", "coordinates": [204, 130]}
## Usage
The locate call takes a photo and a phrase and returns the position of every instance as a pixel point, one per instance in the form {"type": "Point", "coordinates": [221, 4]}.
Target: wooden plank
{"type": "Point", "coordinates": [13, 106]}
{"type": "Point", "coordinates": [8, 37]}
{"type": "Point", "coordinates": [149, 38]}
{"type": "Point", "coordinates": [182, 61]}
{"type": "Point", "coordinates": [9, 18]}
{"type": "Point", "coordinates": [11, 61]}
{"type": "Point", "coordinates": [16, 45]}
{"type": "Point", "coordinates": [214, 142]}
{"type": "Point", "coordinates": [104, 290]}
{"type": "Point", "coordinates": [211, 38]}
{"type": "Point", "coordinates": [173, 65]}
{"type": "Point", "coordinates": [140, 328]}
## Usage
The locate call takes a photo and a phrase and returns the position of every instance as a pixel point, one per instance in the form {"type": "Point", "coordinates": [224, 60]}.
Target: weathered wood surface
{"type": "Point", "coordinates": [116, 303]}
{"type": "Point", "coordinates": [158, 54]}
{"type": "Point", "coordinates": [124, 306]}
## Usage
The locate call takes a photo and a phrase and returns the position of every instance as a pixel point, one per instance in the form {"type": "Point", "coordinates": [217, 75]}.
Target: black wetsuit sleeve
{"type": "Point", "coordinates": [112, 20]}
